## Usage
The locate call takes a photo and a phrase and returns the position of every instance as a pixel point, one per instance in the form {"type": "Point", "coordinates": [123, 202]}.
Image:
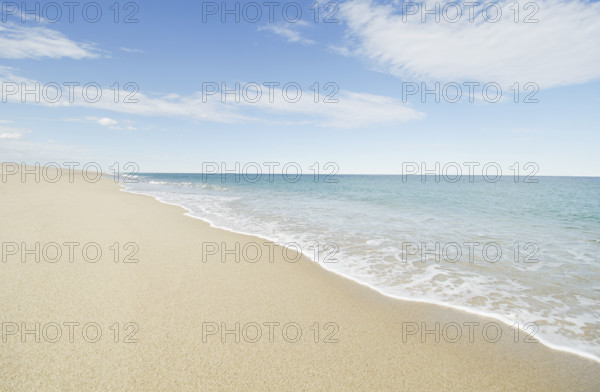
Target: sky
{"type": "Point", "coordinates": [173, 85]}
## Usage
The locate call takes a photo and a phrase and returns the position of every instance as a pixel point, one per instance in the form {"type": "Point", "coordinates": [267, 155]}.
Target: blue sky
{"type": "Point", "coordinates": [370, 55]}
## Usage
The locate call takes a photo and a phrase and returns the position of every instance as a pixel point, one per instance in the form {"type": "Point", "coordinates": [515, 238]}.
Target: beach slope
{"type": "Point", "coordinates": [106, 290]}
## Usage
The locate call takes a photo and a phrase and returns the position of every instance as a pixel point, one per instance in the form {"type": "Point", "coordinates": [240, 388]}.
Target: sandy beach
{"type": "Point", "coordinates": [161, 308]}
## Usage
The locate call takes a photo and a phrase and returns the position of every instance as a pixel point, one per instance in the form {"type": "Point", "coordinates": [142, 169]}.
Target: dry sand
{"type": "Point", "coordinates": [170, 295]}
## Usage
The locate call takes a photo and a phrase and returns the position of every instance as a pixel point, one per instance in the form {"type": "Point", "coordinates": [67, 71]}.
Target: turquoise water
{"type": "Point", "coordinates": [521, 252]}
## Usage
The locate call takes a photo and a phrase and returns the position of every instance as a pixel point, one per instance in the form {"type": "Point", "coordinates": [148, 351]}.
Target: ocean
{"type": "Point", "coordinates": [522, 252]}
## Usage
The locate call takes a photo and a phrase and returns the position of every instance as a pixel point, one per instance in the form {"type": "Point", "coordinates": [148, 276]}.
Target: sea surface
{"type": "Point", "coordinates": [523, 252]}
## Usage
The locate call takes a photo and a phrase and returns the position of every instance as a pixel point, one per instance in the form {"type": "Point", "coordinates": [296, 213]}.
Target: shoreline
{"type": "Point", "coordinates": [171, 295]}
{"type": "Point", "coordinates": [465, 309]}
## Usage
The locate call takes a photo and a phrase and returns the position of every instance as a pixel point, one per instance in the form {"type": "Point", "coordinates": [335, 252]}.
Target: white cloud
{"type": "Point", "coordinates": [24, 42]}
{"type": "Point", "coordinates": [352, 109]}
{"type": "Point", "coordinates": [107, 122]}
{"type": "Point", "coordinates": [129, 50]}
{"type": "Point", "coordinates": [343, 50]}
{"type": "Point", "coordinates": [563, 48]}
{"type": "Point", "coordinates": [288, 31]}
{"type": "Point", "coordinates": [110, 123]}
{"type": "Point", "coordinates": [10, 135]}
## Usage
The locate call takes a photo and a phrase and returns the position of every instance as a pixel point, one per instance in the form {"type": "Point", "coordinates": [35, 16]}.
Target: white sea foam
{"type": "Point", "coordinates": [369, 219]}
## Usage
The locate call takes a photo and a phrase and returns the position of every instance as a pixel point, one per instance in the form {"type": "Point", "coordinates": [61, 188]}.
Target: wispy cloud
{"type": "Point", "coordinates": [9, 135]}
{"type": "Point", "coordinates": [352, 109]}
{"type": "Point", "coordinates": [110, 123]}
{"type": "Point", "coordinates": [12, 133]}
{"type": "Point", "coordinates": [26, 42]}
{"type": "Point", "coordinates": [130, 50]}
{"type": "Point", "coordinates": [289, 31]}
{"type": "Point", "coordinates": [562, 48]}
{"type": "Point", "coordinates": [107, 122]}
